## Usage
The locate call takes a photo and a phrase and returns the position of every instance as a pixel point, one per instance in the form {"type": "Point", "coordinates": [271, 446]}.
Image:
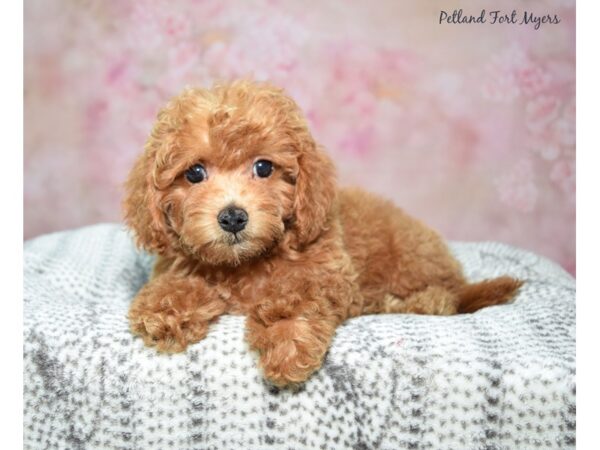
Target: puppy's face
{"type": "Point", "coordinates": [227, 175]}
{"type": "Point", "coordinates": [231, 199]}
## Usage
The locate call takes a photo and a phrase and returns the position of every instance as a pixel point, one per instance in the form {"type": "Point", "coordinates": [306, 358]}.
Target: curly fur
{"type": "Point", "coordinates": [311, 255]}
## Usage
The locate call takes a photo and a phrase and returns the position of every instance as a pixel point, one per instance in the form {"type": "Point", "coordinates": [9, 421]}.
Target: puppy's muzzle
{"type": "Point", "coordinates": [232, 219]}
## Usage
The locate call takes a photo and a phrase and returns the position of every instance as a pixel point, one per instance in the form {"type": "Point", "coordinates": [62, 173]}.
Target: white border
{"type": "Point", "coordinates": [588, 223]}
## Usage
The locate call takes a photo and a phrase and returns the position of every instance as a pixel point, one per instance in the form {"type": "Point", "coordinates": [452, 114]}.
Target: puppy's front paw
{"type": "Point", "coordinates": [168, 331]}
{"type": "Point", "coordinates": [288, 362]}
{"type": "Point", "coordinates": [290, 350]}
{"type": "Point", "coordinates": [171, 315]}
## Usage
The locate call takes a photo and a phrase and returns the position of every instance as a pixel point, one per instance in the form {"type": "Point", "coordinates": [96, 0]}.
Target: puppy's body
{"type": "Point", "coordinates": [305, 256]}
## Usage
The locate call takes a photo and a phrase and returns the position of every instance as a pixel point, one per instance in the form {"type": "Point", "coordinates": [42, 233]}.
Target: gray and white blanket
{"type": "Point", "coordinates": [502, 378]}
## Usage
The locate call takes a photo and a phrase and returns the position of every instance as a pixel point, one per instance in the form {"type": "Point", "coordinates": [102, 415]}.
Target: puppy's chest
{"type": "Point", "coordinates": [240, 291]}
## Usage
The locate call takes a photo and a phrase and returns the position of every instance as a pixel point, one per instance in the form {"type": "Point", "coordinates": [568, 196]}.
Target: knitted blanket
{"type": "Point", "coordinates": [502, 378]}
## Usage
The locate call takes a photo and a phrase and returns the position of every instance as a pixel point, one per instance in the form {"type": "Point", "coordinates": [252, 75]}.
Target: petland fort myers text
{"type": "Point", "coordinates": [498, 17]}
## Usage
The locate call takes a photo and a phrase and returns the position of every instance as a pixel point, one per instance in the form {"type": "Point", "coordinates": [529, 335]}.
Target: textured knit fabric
{"type": "Point", "coordinates": [502, 378]}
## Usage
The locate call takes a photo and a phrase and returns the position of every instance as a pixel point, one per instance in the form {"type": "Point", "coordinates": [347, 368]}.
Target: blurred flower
{"type": "Point", "coordinates": [532, 79]}
{"type": "Point", "coordinates": [516, 187]}
{"type": "Point", "coordinates": [563, 174]}
{"type": "Point", "coordinates": [541, 111]}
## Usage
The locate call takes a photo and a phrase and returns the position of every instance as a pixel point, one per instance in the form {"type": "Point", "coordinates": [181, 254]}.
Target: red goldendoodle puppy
{"type": "Point", "coordinates": [241, 205]}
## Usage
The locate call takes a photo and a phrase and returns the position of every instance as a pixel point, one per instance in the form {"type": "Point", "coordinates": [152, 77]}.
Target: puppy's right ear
{"type": "Point", "coordinates": [142, 209]}
{"type": "Point", "coordinates": [144, 205]}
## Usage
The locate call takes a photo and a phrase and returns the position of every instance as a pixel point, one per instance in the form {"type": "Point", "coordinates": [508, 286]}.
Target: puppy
{"type": "Point", "coordinates": [241, 206]}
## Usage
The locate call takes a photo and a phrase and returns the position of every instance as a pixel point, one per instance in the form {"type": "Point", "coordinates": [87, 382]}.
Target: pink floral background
{"type": "Point", "coordinates": [468, 127]}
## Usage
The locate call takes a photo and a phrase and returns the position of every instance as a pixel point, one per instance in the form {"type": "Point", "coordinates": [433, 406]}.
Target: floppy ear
{"type": "Point", "coordinates": [143, 205]}
{"type": "Point", "coordinates": [315, 192]}
{"type": "Point", "coordinates": [143, 213]}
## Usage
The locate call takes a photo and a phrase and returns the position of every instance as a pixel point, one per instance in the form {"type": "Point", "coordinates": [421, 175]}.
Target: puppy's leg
{"type": "Point", "coordinates": [434, 300]}
{"type": "Point", "coordinates": [293, 326]}
{"type": "Point", "coordinates": [290, 348]}
{"type": "Point", "coordinates": [171, 312]}
{"type": "Point", "coordinates": [467, 298]}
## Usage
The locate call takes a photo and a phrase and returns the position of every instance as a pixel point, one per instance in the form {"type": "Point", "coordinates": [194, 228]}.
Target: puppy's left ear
{"type": "Point", "coordinates": [315, 192]}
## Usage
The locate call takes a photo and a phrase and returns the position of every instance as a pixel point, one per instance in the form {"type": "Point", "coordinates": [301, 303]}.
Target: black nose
{"type": "Point", "coordinates": [233, 219]}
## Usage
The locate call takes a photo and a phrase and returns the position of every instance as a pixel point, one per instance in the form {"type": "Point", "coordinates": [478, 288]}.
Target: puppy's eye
{"type": "Point", "coordinates": [262, 168]}
{"type": "Point", "coordinates": [196, 173]}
